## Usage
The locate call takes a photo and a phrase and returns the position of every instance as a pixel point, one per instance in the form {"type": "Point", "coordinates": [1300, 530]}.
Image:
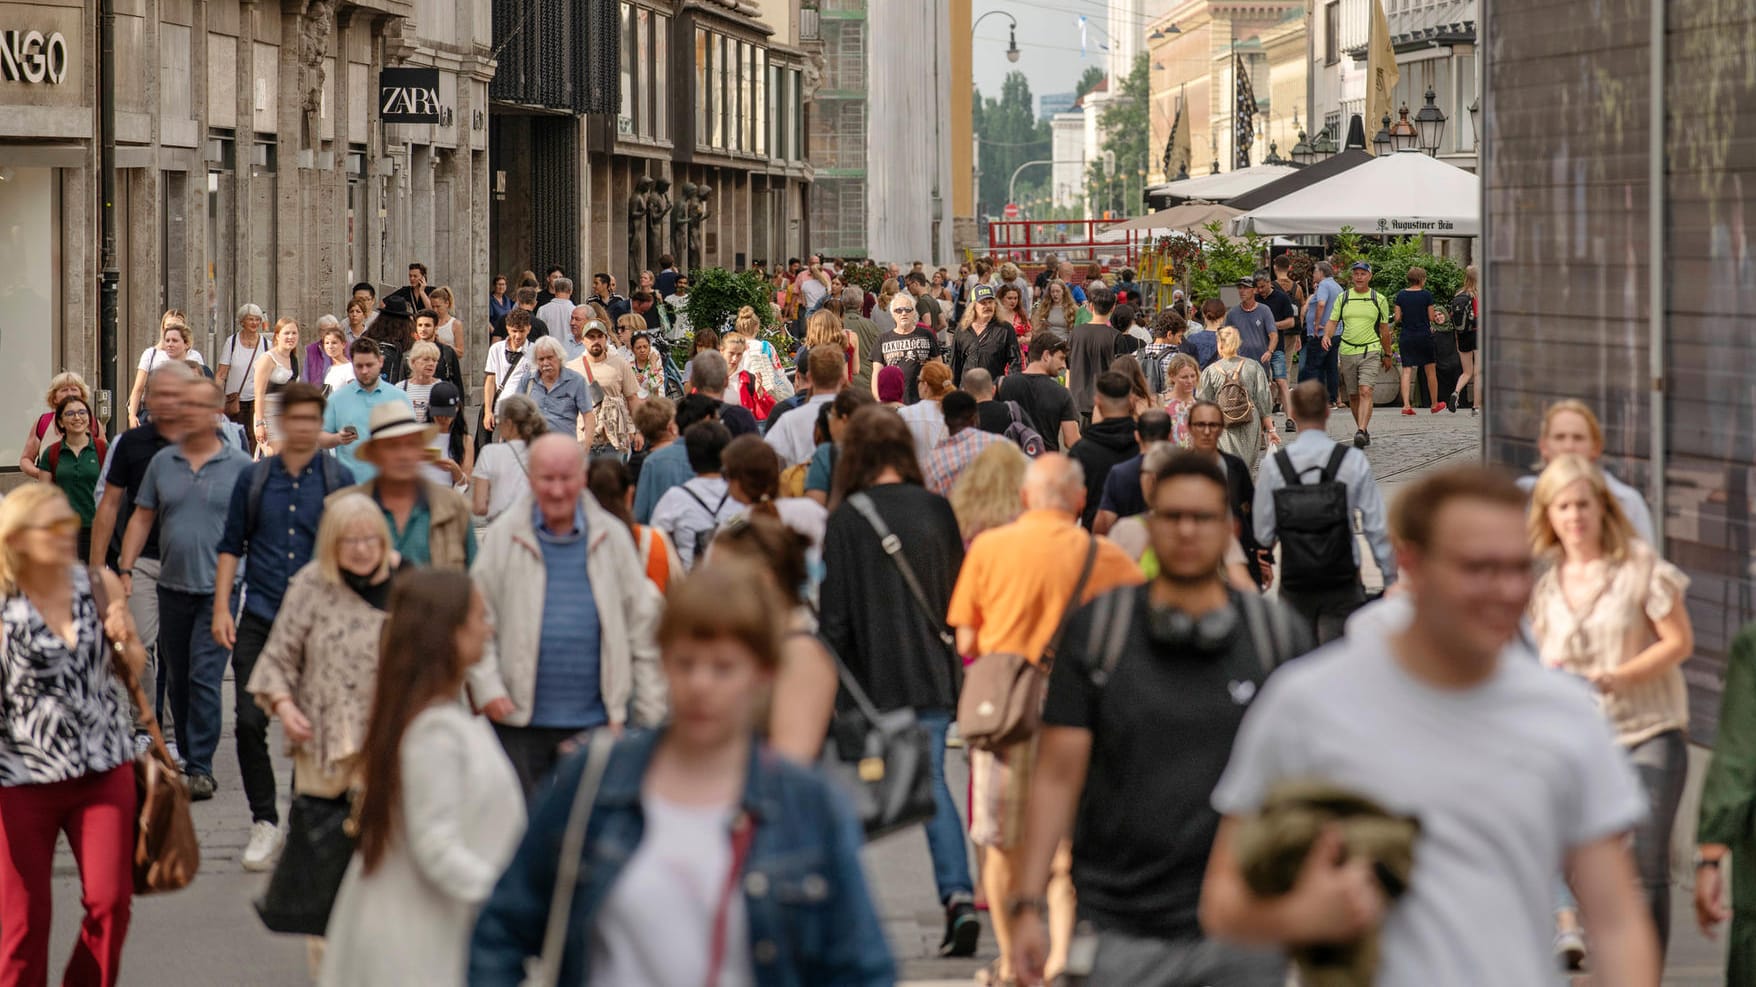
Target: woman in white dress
{"type": "Point", "coordinates": [440, 813]}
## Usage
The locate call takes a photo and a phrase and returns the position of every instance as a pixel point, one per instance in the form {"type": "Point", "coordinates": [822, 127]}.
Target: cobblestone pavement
{"type": "Point", "coordinates": [208, 934]}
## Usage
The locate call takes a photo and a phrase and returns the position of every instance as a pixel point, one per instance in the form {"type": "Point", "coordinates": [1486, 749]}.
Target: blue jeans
{"type": "Point", "coordinates": [197, 667]}
{"type": "Point", "coordinates": [945, 837]}
{"type": "Point", "coordinates": [1317, 364]}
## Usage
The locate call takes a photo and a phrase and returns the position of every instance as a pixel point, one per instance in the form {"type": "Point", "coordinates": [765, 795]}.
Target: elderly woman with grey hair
{"type": "Point", "coordinates": [328, 350]}
{"type": "Point", "coordinates": [564, 396]}
{"type": "Point", "coordinates": [236, 370]}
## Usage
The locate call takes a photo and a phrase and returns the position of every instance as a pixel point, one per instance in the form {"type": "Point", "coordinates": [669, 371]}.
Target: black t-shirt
{"type": "Point", "coordinates": [910, 351]}
{"type": "Point", "coordinates": [994, 416]}
{"type": "Point", "coordinates": [134, 451]}
{"type": "Point", "coordinates": [1281, 305]}
{"type": "Point", "coordinates": [1045, 402]}
{"type": "Point", "coordinates": [1090, 351]}
{"type": "Point", "coordinates": [1167, 714]}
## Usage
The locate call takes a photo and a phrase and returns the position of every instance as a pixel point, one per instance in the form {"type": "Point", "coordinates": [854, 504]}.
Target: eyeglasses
{"type": "Point", "coordinates": [76, 413]}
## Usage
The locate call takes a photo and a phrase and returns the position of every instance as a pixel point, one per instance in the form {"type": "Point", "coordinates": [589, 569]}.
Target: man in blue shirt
{"type": "Point", "coordinates": [1325, 609]}
{"type": "Point", "coordinates": [350, 408]}
{"type": "Point", "coordinates": [275, 508]}
{"type": "Point", "coordinates": [187, 488]}
{"type": "Point", "coordinates": [1317, 363]}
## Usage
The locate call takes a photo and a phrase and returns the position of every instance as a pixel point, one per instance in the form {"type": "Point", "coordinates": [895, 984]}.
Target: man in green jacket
{"type": "Point", "coordinates": [1728, 813]}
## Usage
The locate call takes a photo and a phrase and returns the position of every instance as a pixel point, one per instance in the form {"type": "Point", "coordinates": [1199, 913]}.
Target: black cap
{"type": "Point", "coordinates": [443, 400]}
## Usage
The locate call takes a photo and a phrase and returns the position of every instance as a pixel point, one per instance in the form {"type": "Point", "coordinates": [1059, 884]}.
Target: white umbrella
{"type": "Point", "coordinates": [1395, 194]}
{"type": "Point", "coordinates": [1223, 186]}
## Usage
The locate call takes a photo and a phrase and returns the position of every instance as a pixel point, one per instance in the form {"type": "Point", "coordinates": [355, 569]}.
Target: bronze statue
{"type": "Point", "coordinates": [698, 214]}
{"type": "Point", "coordinates": [681, 216]}
{"type": "Point", "coordinates": [658, 206]}
{"type": "Point", "coordinates": [637, 223]}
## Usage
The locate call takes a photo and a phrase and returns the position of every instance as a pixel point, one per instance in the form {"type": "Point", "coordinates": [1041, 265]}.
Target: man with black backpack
{"type": "Point", "coordinates": [275, 509]}
{"type": "Point", "coordinates": [1306, 496]}
{"type": "Point", "coordinates": [1149, 686]}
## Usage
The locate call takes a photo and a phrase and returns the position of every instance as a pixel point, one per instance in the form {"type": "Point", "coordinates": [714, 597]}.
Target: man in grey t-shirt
{"type": "Point", "coordinates": [1510, 768]}
{"type": "Point", "coordinates": [1257, 336]}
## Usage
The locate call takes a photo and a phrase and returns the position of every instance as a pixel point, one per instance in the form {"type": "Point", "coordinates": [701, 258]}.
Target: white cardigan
{"type": "Point", "coordinates": [510, 574]}
{"type": "Point", "coordinates": [462, 815]}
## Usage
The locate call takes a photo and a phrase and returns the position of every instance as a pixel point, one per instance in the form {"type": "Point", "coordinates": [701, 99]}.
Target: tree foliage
{"type": "Point", "coordinates": [1010, 134]}
{"type": "Point", "coordinates": [1088, 81]}
{"type": "Point", "coordinates": [1125, 130]}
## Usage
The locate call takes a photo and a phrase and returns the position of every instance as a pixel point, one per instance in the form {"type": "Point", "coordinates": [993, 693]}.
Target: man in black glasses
{"type": "Point", "coordinates": [908, 345]}
{"type": "Point", "coordinates": [1206, 425]}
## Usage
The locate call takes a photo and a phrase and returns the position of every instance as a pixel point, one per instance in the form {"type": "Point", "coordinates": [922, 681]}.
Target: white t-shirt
{"type": "Point", "coordinates": [441, 444]}
{"type": "Point", "coordinates": [499, 362]}
{"type": "Point", "coordinates": [240, 360]}
{"type": "Point", "coordinates": [152, 357]}
{"type": "Point", "coordinates": [691, 512]}
{"type": "Point", "coordinates": [1506, 778]}
{"type": "Point", "coordinates": [926, 422]}
{"type": "Point", "coordinates": [418, 395]}
{"type": "Point", "coordinates": [447, 333]}
{"type": "Point", "coordinates": [503, 465]}
{"type": "Point", "coordinates": [337, 375]}
{"type": "Point", "coordinates": [656, 924]}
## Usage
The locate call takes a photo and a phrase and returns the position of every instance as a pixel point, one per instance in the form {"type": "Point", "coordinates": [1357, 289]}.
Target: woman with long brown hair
{"type": "Point", "coordinates": [1055, 310]}
{"type": "Point", "coordinates": [440, 813]}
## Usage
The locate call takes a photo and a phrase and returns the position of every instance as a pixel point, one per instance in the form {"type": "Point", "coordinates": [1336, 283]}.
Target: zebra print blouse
{"type": "Point", "coordinates": [63, 714]}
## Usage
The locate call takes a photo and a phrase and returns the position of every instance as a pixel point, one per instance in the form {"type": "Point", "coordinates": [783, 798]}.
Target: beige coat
{"type": "Point", "coordinates": [323, 652]}
{"type": "Point", "coordinates": [510, 574]}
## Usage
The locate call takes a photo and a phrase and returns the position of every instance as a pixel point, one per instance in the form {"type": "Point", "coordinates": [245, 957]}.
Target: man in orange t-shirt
{"type": "Point", "coordinates": [1015, 585]}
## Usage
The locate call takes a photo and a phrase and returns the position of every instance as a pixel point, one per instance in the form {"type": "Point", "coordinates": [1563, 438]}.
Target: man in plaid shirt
{"type": "Point", "coordinates": [960, 447]}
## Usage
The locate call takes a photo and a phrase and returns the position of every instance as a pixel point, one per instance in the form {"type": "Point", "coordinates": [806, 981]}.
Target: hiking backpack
{"type": "Point", "coordinates": [1022, 435]}
{"type": "Point", "coordinates": [1315, 527]}
{"type": "Point", "coordinates": [1233, 398]}
{"type": "Point", "coordinates": [1463, 306]}
{"type": "Point", "coordinates": [1346, 296]}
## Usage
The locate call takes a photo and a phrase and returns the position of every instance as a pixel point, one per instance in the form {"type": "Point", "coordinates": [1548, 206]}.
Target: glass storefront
{"type": "Point", "coordinates": [30, 285]}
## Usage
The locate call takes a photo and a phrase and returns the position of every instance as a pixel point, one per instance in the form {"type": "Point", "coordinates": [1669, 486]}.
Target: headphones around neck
{"type": "Point", "coordinates": [1174, 628]}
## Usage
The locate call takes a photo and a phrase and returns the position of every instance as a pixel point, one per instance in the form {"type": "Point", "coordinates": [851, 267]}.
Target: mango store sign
{"type": "Point", "coordinates": [32, 57]}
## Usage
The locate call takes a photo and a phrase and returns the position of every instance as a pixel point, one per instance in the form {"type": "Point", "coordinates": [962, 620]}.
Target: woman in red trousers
{"type": "Point", "coordinates": [66, 743]}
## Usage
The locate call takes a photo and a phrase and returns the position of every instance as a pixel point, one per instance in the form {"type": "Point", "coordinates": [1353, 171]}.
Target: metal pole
{"type": "Point", "coordinates": [111, 277]}
{"type": "Point", "coordinates": [1657, 217]}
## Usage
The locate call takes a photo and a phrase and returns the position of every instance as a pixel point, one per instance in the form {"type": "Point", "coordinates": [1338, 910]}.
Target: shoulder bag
{"type": "Point", "coordinates": [880, 761]}
{"type": "Point", "coordinates": [892, 546]}
{"type": "Point", "coordinates": [166, 851]}
{"type": "Point", "coordinates": [1002, 701]}
{"type": "Point", "coordinates": [544, 970]}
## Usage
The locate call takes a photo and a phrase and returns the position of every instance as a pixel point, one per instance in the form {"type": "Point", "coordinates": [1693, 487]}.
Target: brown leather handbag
{"type": "Point", "coordinates": [1002, 700]}
{"type": "Point", "coordinates": [166, 851]}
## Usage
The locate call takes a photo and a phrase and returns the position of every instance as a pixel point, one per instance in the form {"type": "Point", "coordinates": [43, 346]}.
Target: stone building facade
{"type": "Point", "coordinates": [252, 166]}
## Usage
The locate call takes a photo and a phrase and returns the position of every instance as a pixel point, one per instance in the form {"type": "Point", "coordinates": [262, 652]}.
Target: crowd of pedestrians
{"type": "Point", "coordinates": [613, 680]}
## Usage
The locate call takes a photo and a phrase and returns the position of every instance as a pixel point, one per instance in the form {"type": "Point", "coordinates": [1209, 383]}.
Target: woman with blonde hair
{"type": "Point", "coordinates": [1607, 609]}
{"type": "Point", "coordinates": [277, 367]}
{"type": "Point", "coordinates": [1183, 374]}
{"type": "Point", "coordinates": [317, 669]}
{"type": "Point", "coordinates": [62, 386]}
{"type": "Point", "coordinates": [824, 328]}
{"type": "Point", "coordinates": [445, 326]}
{"type": "Point", "coordinates": [990, 492]}
{"type": "Point", "coordinates": [441, 809]}
{"type": "Point", "coordinates": [1055, 309]}
{"type": "Point", "coordinates": [175, 345]}
{"type": "Point", "coordinates": [1248, 418]}
{"type": "Point", "coordinates": [756, 384]}
{"type": "Point", "coordinates": [67, 760]}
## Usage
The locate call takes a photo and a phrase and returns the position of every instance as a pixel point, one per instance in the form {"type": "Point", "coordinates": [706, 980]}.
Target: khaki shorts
{"type": "Point", "coordinates": [1359, 371]}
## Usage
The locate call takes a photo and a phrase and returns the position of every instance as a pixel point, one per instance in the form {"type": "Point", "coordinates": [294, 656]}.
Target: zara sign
{"type": "Point", "coordinates": [32, 57]}
{"type": "Point", "coordinates": [409, 96]}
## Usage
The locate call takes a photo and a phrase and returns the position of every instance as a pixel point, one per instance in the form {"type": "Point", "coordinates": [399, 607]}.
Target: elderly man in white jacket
{"type": "Point", "coordinates": [574, 645]}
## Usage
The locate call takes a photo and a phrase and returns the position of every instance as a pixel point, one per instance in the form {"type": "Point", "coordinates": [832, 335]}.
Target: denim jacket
{"type": "Point", "coordinates": [811, 919]}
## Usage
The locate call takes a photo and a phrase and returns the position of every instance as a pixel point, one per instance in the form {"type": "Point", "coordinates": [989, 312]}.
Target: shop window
{"type": "Point", "coordinates": [661, 71]}
{"type": "Point", "coordinates": [30, 281]}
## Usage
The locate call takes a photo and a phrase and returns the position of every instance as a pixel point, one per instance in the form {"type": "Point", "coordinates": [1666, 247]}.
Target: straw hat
{"type": "Point", "coordinates": [392, 420]}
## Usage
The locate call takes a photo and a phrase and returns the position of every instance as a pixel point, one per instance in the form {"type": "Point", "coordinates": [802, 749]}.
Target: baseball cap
{"type": "Point", "coordinates": [1246, 282]}
{"type": "Point", "coordinates": [1360, 265]}
{"type": "Point", "coordinates": [443, 400]}
{"type": "Point", "coordinates": [984, 293]}
{"type": "Point", "coordinates": [596, 326]}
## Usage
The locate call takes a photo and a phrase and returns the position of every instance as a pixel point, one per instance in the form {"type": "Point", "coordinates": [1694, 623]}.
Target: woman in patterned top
{"type": "Point", "coordinates": [65, 742]}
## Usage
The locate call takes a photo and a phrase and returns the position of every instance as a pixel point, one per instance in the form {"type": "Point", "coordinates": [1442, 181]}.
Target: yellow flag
{"type": "Point", "coordinates": [1381, 71]}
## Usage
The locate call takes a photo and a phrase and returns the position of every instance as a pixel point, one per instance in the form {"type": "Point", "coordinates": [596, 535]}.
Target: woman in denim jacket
{"type": "Point", "coordinates": [707, 858]}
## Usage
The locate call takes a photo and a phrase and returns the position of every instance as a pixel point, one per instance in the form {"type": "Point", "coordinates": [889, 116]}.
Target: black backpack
{"type": "Point", "coordinates": [1315, 528]}
{"type": "Point", "coordinates": [1463, 307]}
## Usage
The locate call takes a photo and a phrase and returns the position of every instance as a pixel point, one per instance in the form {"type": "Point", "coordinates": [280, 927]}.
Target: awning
{"type": "Point", "coordinates": [1307, 176]}
{"type": "Point", "coordinates": [1223, 186]}
{"type": "Point", "coordinates": [1190, 216]}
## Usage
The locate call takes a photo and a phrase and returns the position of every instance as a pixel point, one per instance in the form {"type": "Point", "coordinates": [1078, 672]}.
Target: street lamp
{"type": "Point", "coordinates": [1404, 136]}
{"type": "Point", "coordinates": [1158, 34]}
{"type": "Point", "coordinates": [1274, 157]}
{"type": "Point", "coordinates": [1325, 147]}
{"type": "Point", "coordinates": [1381, 139]}
{"type": "Point", "coordinates": [1431, 123]}
{"type": "Point", "coordinates": [1303, 153]}
{"type": "Point", "coordinates": [1011, 33]}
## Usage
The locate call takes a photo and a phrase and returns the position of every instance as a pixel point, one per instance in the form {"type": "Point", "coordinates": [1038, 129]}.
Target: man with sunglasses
{"type": "Point", "coordinates": [908, 346]}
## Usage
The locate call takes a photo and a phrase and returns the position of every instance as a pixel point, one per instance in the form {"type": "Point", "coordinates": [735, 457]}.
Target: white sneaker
{"type": "Point", "coordinates": [265, 842]}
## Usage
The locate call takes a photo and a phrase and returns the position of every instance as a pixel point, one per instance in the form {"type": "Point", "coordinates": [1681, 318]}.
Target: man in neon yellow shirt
{"type": "Point", "coordinates": [1363, 316]}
